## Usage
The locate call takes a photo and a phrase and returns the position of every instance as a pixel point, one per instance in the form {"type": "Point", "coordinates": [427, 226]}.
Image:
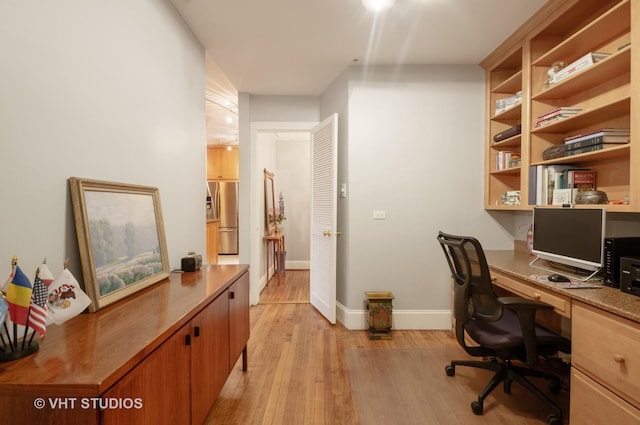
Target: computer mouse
{"type": "Point", "coordinates": [558, 278]}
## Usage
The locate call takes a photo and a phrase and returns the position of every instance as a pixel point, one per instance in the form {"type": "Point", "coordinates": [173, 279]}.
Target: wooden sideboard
{"type": "Point", "coordinates": [161, 356]}
{"type": "Point", "coordinates": [605, 339]}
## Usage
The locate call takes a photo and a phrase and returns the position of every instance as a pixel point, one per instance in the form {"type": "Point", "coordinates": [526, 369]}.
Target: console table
{"type": "Point", "coordinates": [160, 356]}
{"type": "Point", "coordinates": [276, 241]}
{"type": "Point", "coordinates": [605, 339]}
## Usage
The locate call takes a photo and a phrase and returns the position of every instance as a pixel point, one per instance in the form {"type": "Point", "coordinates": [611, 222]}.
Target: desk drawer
{"type": "Point", "coordinates": [591, 403]}
{"type": "Point", "coordinates": [561, 305]}
{"type": "Point", "coordinates": [607, 347]}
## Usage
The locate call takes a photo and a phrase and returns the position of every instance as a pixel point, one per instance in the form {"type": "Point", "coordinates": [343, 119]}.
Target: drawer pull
{"type": "Point", "coordinates": [536, 296]}
{"type": "Point", "coordinates": [618, 358]}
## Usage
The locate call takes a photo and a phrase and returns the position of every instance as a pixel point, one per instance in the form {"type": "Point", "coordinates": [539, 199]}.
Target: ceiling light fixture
{"type": "Point", "coordinates": [377, 5]}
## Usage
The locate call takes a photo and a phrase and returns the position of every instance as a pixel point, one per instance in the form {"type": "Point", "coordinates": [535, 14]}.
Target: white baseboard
{"type": "Point", "coordinates": [297, 265]}
{"type": "Point", "coordinates": [401, 319]}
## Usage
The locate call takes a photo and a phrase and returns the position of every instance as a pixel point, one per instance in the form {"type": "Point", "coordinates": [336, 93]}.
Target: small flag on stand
{"type": "Point", "coordinates": [45, 273]}
{"type": "Point", "coordinates": [19, 297]}
{"type": "Point", "coordinates": [14, 264]}
{"type": "Point", "coordinates": [66, 299]}
{"type": "Point", "coordinates": [4, 308]}
{"type": "Point", "coordinates": [38, 313]}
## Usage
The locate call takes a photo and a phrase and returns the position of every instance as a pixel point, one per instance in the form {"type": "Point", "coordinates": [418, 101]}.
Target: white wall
{"type": "Point", "coordinates": [109, 90]}
{"type": "Point", "coordinates": [415, 151]}
{"type": "Point", "coordinates": [293, 180]}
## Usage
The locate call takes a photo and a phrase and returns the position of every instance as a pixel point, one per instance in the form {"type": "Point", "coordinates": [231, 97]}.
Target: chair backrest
{"type": "Point", "coordinates": [473, 296]}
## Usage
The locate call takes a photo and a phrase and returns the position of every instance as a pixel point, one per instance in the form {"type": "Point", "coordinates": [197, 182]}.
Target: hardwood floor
{"type": "Point", "coordinates": [298, 370]}
{"type": "Point", "coordinates": [294, 288]}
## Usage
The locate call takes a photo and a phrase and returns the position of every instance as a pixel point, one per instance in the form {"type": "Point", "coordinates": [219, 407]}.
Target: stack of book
{"type": "Point", "coordinates": [508, 102]}
{"type": "Point", "coordinates": [590, 142]}
{"type": "Point", "coordinates": [585, 61]}
{"type": "Point", "coordinates": [556, 114]}
{"type": "Point", "coordinates": [558, 184]}
{"type": "Point", "coordinates": [596, 141]}
{"type": "Point", "coordinates": [507, 159]}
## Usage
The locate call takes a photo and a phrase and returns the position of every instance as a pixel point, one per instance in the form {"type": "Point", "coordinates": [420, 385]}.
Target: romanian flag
{"type": "Point", "coordinates": [19, 297]}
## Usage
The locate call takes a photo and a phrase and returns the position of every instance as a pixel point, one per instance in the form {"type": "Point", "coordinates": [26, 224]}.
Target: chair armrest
{"type": "Point", "coordinates": [526, 310]}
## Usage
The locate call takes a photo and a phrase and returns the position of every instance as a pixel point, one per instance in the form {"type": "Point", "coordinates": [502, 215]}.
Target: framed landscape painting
{"type": "Point", "coordinates": [120, 238]}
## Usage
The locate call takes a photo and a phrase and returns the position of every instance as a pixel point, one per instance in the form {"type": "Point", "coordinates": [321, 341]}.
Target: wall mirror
{"type": "Point", "coordinates": [269, 202]}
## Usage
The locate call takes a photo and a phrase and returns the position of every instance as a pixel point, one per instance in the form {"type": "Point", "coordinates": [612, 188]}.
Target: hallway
{"type": "Point", "coordinates": [293, 289]}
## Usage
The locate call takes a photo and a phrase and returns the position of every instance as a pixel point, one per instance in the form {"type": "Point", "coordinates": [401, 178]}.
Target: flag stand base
{"type": "Point", "coordinates": [8, 356]}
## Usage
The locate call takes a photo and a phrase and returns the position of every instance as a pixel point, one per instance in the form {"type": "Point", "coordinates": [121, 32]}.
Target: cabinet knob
{"type": "Point", "coordinates": [536, 296]}
{"type": "Point", "coordinates": [196, 331]}
{"type": "Point", "coordinates": [187, 340]}
{"type": "Point", "coordinates": [232, 295]}
{"type": "Point", "coordinates": [618, 358]}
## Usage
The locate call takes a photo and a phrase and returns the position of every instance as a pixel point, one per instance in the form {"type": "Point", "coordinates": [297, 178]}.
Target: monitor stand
{"type": "Point", "coordinates": [573, 272]}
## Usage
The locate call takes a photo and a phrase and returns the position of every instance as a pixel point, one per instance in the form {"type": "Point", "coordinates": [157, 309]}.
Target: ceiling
{"type": "Point", "coordinates": [298, 47]}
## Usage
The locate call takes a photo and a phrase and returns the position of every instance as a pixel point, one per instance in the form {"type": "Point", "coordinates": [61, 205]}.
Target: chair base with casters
{"type": "Point", "coordinates": [506, 373]}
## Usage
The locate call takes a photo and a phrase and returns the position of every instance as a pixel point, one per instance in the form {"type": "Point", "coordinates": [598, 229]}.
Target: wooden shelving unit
{"type": "Point", "coordinates": [566, 31]}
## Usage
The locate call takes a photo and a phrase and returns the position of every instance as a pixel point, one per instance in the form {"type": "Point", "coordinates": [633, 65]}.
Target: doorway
{"type": "Point", "coordinates": [283, 148]}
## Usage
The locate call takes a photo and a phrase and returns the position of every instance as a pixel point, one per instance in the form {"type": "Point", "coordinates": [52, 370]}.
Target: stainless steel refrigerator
{"type": "Point", "coordinates": [224, 208]}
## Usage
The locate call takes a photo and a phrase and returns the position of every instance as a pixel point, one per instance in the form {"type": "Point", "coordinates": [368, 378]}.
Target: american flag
{"type": "Point", "coordinates": [38, 312]}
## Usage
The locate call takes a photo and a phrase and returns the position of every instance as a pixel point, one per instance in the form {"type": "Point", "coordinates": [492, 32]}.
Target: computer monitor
{"type": "Point", "coordinates": [570, 236]}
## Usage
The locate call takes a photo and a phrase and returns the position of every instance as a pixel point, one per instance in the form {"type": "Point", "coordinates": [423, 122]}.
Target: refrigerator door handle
{"type": "Point", "coordinates": [216, 201]}
{"type": "Point", "coordinates": [226, 230]}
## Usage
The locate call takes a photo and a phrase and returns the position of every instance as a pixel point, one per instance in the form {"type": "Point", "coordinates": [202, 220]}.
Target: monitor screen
{"type": "Point", "coordinates": [571, 236]}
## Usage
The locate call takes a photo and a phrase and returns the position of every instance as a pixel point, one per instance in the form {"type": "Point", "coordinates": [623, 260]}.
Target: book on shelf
{"type": "Point", "coordinates": [558, 111]}
{"type": "Point", "coordinates": [510, 132]}
{"type": "Point", "coordinates": [533, 179]}
{"type": "Point", "coordinates": [556, 114]}
{"type": "Point", "coordinates": [555, 151]}
{"type": "Point", "coordinates": [584, 146]}
{"type": "Point", "coordinates": [570, 183]}
{"type": "Point", "coordinates": [506, 159]}
{"type": "Point", "coordinates": [509, 102]}
{"type": "Point", "coordinates": [562, 197]}
{"type": "Point", "coordinates": [579, 180]}
{"type": "Point", "coordinates": [581, 63]}
{"type": "Point", "coordinates": [590, 148]}
{"type": "Point", "coordinates": [604, 136]}
{"type": "Point", "coordinates": [556, 179]}
{"type": "Point", "coordinates": [542, 181]}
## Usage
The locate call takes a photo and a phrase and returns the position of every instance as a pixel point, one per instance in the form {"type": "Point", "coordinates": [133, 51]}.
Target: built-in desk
{"type": "Point", "coordinates": [605, 339]}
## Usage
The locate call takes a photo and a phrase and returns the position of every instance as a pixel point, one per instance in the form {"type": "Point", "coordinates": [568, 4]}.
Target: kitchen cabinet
{"type": "Point", "coordinates": [223, 163]}
{"type": "Point", "coordinates": [212, 242]}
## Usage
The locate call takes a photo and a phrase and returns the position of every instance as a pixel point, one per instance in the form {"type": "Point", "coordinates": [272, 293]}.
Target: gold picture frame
{"type": "Point", "coordinates": [269, 203]}
{"type": "Point", "coordinates": [121, 238]}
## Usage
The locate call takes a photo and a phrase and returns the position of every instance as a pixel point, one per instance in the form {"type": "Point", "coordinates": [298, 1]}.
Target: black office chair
{"type": "Point", "coordinates": [501, 334]}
